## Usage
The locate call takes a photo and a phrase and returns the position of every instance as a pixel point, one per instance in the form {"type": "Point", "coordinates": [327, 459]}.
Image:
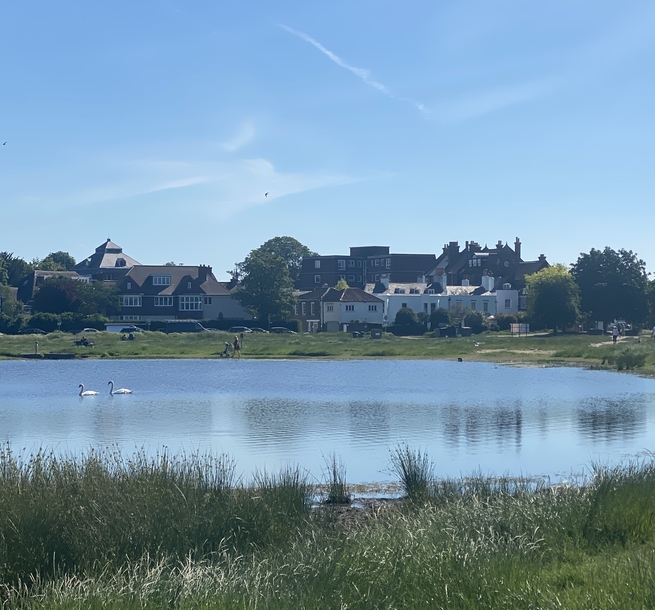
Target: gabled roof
{"type": "Point", "coordinates": [107, 256]}
{"type": "Point", "coordinates": [350, 295]}
{"type": "Point", "coordinates": [202, 280]}
{"type": "Point", "coordinates": [311, 295]}
{"type": "Point", "coordinates": [529, 267]}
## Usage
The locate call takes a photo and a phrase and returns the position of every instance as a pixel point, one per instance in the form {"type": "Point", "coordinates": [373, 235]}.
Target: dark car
{"type": "Point", "coordinates": [280, 330]}
{"type": "Point", "coordinates": [131, 329]}
{"type": "Point", "coordinates": [258, 330]}
{"type": "Point", "coordinates": [31, 331]}
{"type": "Point", "coordinates": [240, 329]}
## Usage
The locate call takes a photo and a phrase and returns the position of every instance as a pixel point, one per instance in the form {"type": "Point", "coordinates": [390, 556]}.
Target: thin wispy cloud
{"type": "Point", "coordinates": [243, 137]}
{"type": "Point", "coordinates": [362, 73]}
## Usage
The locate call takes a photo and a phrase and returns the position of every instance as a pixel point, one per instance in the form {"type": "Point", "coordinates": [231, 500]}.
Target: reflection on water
{"type": "Point", "coordinates": [467, 416]}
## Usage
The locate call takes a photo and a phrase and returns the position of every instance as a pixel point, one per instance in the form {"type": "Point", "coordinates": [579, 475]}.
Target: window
{"type": "Point", "coordinates": [304, 308]}
{"type": "Point", "coordinates": [129, 285]}
{"type": "Point", "coordinates": [295, 309]}
{"type": "Point", "coordinates": [425, 307]}
{"type": "Point", "coordinates": [317, 279]}
{"type": "Point", "coordinates": [341, 265]}
{"type": "Point", "coordinates": [351, 278]}
{"type": "Point", "coordinates": [190, 303]}
{"type": "Point", "coordinates": [404, 305]}
{"type": "Point", "coordinates": [329, 307]}
{"type": "Point", "coordinates": [130, 301]}
{"type": "Point", "coordinates": [317, 264]}
{"type": "Point", "coordinates": [475, 262]}
{"type": "Point", "coordinates": [377, 277]}
{"type": "Point", "coordinates": [207, 300]}
{"type": "Point", "coordinates": [130, 317]}
{"type": "Point", "coordinates": [188, 285]}
{"type": "Point", "coordinates": [485, 306]}
{"type": "Point", "coordinates": [377, 262]}
{"type": "Point", "coordinates": [351, 262]}
{"type": "Point", "coordinates": [433, 307]}
{"type": "Point", "coordinates": [350, 308]}
{"type": "Point", "coordinates": [506, 263]}
{"type": "Point", "coordinates": [359, 278]}
{"type": "Point", "coordinates": [163, 301]}
{"type": "Point", "coordinates": [388, 263]}
{"type": "Point", "coordinates": [474, 305]}
{"type": "Point", "coordinates": [342, 277]}
{"type": "Point", "coordinates": [508, 303]}
{"type": "Point", "coordinates": [372, 307]}
{"type": "Point", "coordinates": [359, 263]}
{"type": "Point", "coordinates": [161, 280]}
{"type": "Point", "coordinates": [311, 308]}
{"type": "Point", "coordinates": [430, 290]}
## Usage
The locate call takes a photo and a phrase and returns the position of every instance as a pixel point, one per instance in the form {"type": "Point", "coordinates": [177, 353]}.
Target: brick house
{"type": "Point", "coordinates": [363, 264]}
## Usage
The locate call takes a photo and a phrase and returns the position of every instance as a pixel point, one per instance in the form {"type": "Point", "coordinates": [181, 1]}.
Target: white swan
{"type": "Point", "coordinates": [119, 391]}
{"type": "Point", "coordinates": [87, 392]}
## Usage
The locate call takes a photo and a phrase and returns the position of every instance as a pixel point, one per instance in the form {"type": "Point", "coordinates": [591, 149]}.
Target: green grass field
{"type": "Point", "coordinates": [594, 351]}
{"type": "Point", "coordinates": [110, 531]}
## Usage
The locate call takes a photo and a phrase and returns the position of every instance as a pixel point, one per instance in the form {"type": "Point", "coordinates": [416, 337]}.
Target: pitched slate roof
{"type": "Point", "coordinates": [202, 281]}
{"type": "Point", "coordinates": [107, 255]}
{"type": "Point", "coordinates": [350, 295]}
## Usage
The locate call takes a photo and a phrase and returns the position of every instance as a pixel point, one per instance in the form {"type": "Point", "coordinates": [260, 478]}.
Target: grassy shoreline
{"type": "Point", "coordinates": [114, 531]}
{"type": "Point", "coordinates": [630, 353]}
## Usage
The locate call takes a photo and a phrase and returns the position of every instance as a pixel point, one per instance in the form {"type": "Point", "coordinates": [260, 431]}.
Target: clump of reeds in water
{"type": "Point", "coordinates": [334, 475]}
{"type": "Point", "coordinates": [414, 469]}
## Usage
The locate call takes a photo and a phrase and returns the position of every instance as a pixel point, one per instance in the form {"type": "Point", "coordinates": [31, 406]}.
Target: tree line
{"type": "Point", "coordinates": [602, 285]}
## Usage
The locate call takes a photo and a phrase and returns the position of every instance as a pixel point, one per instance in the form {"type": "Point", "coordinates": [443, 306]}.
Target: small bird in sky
{"type": "Point", "coordinates": [265, 194]}
{"type": "Point", "coordinates": [4, 143]}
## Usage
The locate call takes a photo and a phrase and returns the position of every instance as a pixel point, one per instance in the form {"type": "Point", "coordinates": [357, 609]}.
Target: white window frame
{"type": "Point", "coordinates": [317, 264]}
{"type": "Point", "coordinates": [372, 307]}
{"type": "Point", "coordinates": [351, 262]}
{"type": "Point", "coordinates": [329, 307]}
{"type": "Point", "coordinates": [485, 306]}
{"type": "Point", "coordinates": [311, 308]}
{"type": "Point", "coordinates": [474, 305]}
{"type": "Point", "coordinates": [161, 280]}
{"type": "Point", "coordinates": [341, 265]}
{"type": "Point", "coordinates": [304, 308]}
{"type": "Point", "coordinates": [190, 303]}
{"type": "Point", "coordinates": [317, 279]}
{"type": "Point", "coordinates": [132, 300]}
{"type": "Point", "coordinates": [163, 301]}
{"type": "Point", "coordinates": [388, 263]}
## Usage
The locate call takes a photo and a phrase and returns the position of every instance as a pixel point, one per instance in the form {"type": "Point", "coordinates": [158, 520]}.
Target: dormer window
{"type": "Point", "coordinates": [120, 262]}
{"type": "Point", "coordinates": [161, 280]}
{"type": "Point", "coordinates": [188, 285]}
{"type": "Point", "coordinates": [129, 285]}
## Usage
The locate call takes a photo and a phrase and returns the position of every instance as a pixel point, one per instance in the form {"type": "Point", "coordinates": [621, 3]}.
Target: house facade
{"type": "Point", "coordinates": [471, 264]}
{"type": "Point", "coordinates": [107, 263]}
{"type": "Point", "coordinates": [328, 309]}
{"type": "Point", "coordinates": [363, 264]}
{"type": "Point", "coordinates": [174, 292]}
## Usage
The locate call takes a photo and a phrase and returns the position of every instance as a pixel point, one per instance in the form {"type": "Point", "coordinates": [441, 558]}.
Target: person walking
{"type": "Point", "coordinates": [615, 333]}
{"type": "Point", "coordinates": [653, 333]}
{"type": "Point", "coordinates": [237, 346]}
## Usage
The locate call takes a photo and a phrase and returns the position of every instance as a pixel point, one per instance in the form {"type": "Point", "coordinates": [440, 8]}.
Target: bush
{"type": "Point", "coordinates": [477, 321]}
{"type": "Point", "coordinates": [406, 317]}
{"type": "Point", "coordinates": [439, 316]}
{"type": "Point", "coordinates": [626, 359]}
{"type": "Point", "coordinates": [505, 320]}
{"type": "Point", "coordinates": [10, 325]}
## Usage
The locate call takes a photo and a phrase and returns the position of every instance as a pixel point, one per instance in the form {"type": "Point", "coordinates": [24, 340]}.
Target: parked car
{"type": "Point", "coordinates": [184, 326]}
{"type": "Point", "coordinates": [240, 329]}
{"type": "Point", "coordinates": [31, 331]}
{"type": "Point", "coordinates": [90, 330]}
{"type": "Point", "coordinates": [131, 329]}
{"type": "Point", "coordinates": [280, 330]}
{"type": "Point", "coordinates": [258, 330]}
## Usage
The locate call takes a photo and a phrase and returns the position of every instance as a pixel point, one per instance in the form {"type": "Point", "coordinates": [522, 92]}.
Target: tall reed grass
{"type": "Point", "coordinates": [202, 539]}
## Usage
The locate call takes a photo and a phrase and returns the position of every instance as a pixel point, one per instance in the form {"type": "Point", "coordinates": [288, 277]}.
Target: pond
{"type": "Point", "coordinates": [467, 416]}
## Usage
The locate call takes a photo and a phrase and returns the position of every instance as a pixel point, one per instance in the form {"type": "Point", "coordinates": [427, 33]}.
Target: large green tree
{"type": "Point", "coordinates": [10, 306]}
{"type": "Point", "coordinates": [613, 285]}
{"type": "Point", "coordinates": [553, 297]}
{"type": "Point", "coordinates": [56, 261]}
{"type": "Point", "coordinates": [266, 288]}
{"type": "Point", "coordinates": [16, 268]}
{"type": "Point", "coordinates": [290, 249]}
{"type": "Point", "coordinates": [60, 294]}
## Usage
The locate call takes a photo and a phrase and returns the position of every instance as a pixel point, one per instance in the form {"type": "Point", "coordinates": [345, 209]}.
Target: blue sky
{"type": "Point", "coordinates": [162, 125]}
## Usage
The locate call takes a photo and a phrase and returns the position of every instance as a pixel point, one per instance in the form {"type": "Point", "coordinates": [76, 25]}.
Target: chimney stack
{"type": "Point", "coordinates": [517, 250]}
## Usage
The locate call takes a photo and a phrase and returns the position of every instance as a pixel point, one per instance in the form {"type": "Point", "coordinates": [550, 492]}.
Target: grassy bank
{"type": "Point", "coordinates": [597, 351]}
{"type": "Point", "coordinates": [110, 532]}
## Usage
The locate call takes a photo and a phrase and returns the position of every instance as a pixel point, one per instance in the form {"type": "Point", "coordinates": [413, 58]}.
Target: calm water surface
{"type": "Point", "coordinates": [468, 416]}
